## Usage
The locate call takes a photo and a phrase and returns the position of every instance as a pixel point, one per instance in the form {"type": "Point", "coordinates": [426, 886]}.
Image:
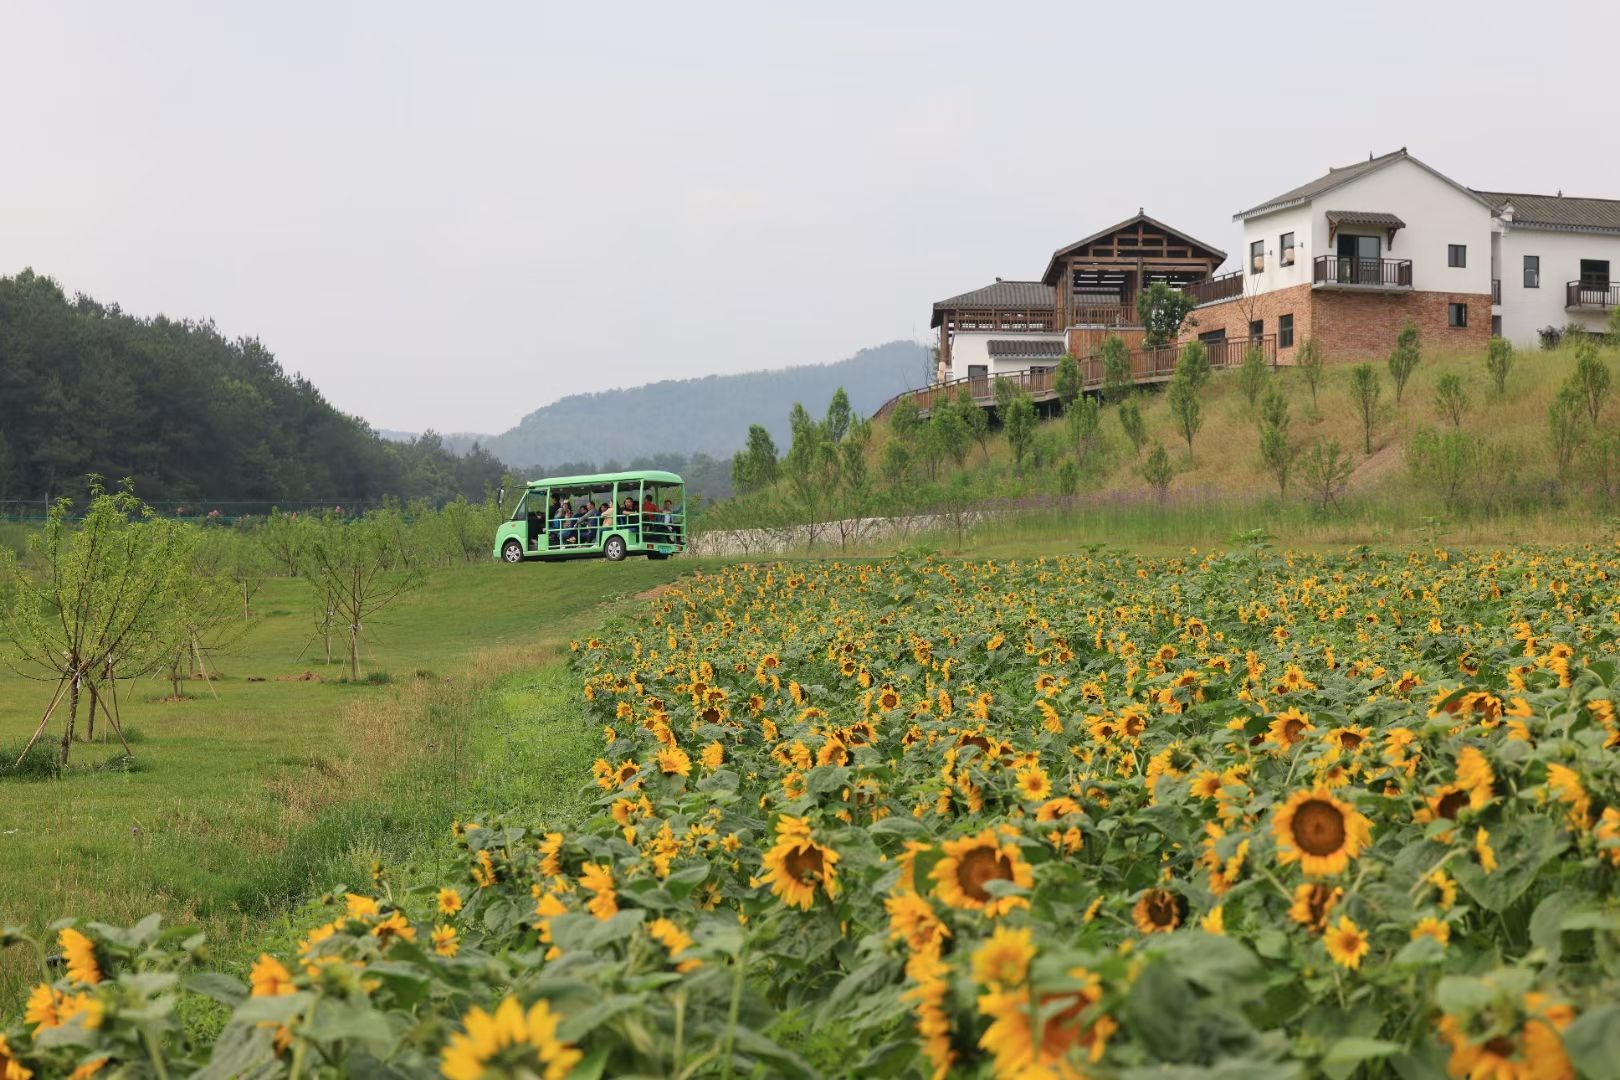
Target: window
{"type": "Point", "coordinates": [1496, 326]}
{"type": "Point", "coordinates": [1257, 329]}
{"type": "Point", "coordinates": [1532, 271]}
{"type": "Point", "coordinates": [978, 371]}
{"type": "Point", "coordinates": [1457, 315]}
{"type": "Point", "coordinates": [1213, 337]}
{"type": "Point", "coordinates": [1457, 255]}
{"type": "Point", "coordinates": [1285, 250]}
{"type": "Point", "coordinates": [1257, 256]}
{"type": "Point", "coordinates": [1594, 273]}
{"type": "Point", "coordinates": [1285, 331]}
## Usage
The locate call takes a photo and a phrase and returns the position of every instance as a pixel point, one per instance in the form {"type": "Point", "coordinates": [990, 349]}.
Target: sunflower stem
{"type": "Point", "coordinates": [734, 1011]}
{"type": "Point", "coordinates": [152, 1051]}
{"type": "Point", "coordinates": [680, 1031]}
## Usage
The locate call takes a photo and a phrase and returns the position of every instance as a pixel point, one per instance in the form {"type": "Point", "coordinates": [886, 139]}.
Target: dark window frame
{"type": "Point", "coordinates": [1457, 256]}
{"type": "Point", "coordinates": [1457, 316]}
{"type": "Point", "coordinates": [1285, 331]}
{"type": "Point", "coordinates": [1257, 257]}
{"type": "Point", "coordinates": [1257, 329]}
{"type": "Point", "coordinates": [1285, 249]}
{"type": "Point", "coordinates": [1496, 326]}
{"type": "Point", "coordinates": [1595, 278]}
{"type": "Point", "coordinates": [1532, 271]}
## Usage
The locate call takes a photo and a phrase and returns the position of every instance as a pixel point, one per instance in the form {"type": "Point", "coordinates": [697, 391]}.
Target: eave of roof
{"type": "Point", "coordinates": [1050, 276]}
{"type": "Point", "coordinates": [1338, 176]}
{"type": "Point", "coordinates": [1558, 213]}
{"type": "Point", "coordinates": [1005, 295]}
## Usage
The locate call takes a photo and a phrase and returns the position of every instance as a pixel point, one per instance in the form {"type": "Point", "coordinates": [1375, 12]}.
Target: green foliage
{"type": "Point", "coordinates": [1066, 382]}
{"type": "Point", "coordinates": [359, 568]}
{"type": "Point", "coordinates": [755, 466]}
{"type": "Point", "coordinates": [186, 412]}
{"type": "Point", "coordinates": [1447, 462]}
{"type": "Point", "coordinates": [1451, 399]}
{"type": "Point", "coordinates": [838, 416]}
{"type": "Point", "coordinates": [1253, 374]}
{"type": "Point", "coordinates": [1162, 310]}
{"type": "Point", "coordinates": [1565, 426]}
{"type": "Point", "coordinates": [97, 599]}
{"type": "Point", "coordinates": [1193, 364]}
{"type": "Point", "coordinates": [1117, 384]}
{"type": "Point", "coordinates": [1311, 365]}
{"type": "Point", "coordinates": [1404, 360]}
{"type": "Point", "coordinates": [905, 418]}
{"type": "Point", "coordinates": [1326, 469]}
{"type": "Point", "coordinates": [1601, 464]}
{"type": "Point", "coordinates": [1183, 395]}
{"type": "Point", "coordinates": [1592, 379]}
{"type": "Point", "coordinates": [1019, 423]}
{"type": "Point", "coordinates": [1499, 363]}
{"type": "Point", "coordinates": [1365, 390]}
{"type": "Point", "coordinates": [1614, 326]}
{"type": "Point", "coordinates": [1084, 421]}
{"type": "Point", "coordinates": [1157, 470]}
{"type": "Point", "coordinates": [1130, 421]}
{"type": "Point", "coordinates": [895, 464]}
{"type": "Point", "coordinates": [1068, 478]}
{"type": "Point", "coordinates": [976, 418]}
{"type": "Point", "coordinates": [1276, 452]}
{"type": "Point", "coordinates": [952, 432]}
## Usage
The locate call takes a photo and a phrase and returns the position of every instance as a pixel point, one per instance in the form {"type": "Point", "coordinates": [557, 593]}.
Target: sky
{"type": "Point", "coordinates": [448, 215]}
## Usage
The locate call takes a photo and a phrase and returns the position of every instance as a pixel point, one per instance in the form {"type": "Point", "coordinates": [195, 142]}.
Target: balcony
{"type": "Point", "coordinates": [1371, 275]}
{"type": "Point", "coordinates": [1592, 294]}
{"type": "Point", "coordinates": [1216, 288]}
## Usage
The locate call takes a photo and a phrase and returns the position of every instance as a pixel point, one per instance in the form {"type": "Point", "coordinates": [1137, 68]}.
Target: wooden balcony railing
{"type": "Point", "coordinates": [1147, 366]}
{"type": "Point", "coordinates": [1496, 290]}
{"type": "Point", "coordinates": [1603, 294]}
{"type": "Point", "coordinates": [1216, 288]}
{"type": "Point", "coordinates": [1366, 273]}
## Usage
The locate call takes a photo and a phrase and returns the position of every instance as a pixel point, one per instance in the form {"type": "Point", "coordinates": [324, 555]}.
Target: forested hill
{"type": "Point", "coordinates": [188, 414]}
{"type": "Point", "coordinates": [709, 415]}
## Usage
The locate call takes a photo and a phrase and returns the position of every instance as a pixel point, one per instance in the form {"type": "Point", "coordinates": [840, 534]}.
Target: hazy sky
{"type": "Point", "coordinates": [447, 215]}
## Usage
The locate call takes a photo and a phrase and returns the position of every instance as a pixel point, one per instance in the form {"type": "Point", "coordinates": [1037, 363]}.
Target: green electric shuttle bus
{"type": "Point", "coordinates": [606, 516]}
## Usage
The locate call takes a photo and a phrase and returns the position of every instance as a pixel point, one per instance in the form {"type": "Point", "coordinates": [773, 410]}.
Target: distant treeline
{"type": "Point", "coordinates": [188, 414]}
{"type": "Point", "coordinates": [707, 479]}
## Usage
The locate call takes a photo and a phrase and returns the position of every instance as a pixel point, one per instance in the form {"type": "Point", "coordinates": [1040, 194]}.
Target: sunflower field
{"type": "Point", "coordinates": [1245, 815]}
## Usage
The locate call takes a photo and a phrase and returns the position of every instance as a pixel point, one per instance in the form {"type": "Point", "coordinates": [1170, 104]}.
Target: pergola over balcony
{"type": "Point", "coordinates": [1095, 281]}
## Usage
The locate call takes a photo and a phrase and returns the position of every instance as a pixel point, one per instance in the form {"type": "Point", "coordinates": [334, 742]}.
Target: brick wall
{"type": "Point", "coordinates": [1087, 341]}
{"type": "Point", "coordinates": [1233, 317]}
{"type": "Point", "coordinates": [1351, 325]}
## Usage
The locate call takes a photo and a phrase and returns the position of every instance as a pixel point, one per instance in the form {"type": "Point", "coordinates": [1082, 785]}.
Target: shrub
{"type": "Point", "coordinates": [1499, 362]}
{"type": "Point", "coordinates": [1404, 360]}
{"type": "Point", "coordinates": [1116, 370]}
{"type": "Point", "coordinates": [1326, 469]}
{"type": "Point", "coordinates": [1311, 365]}
{"type": "Point", "coordinates": [1068, 478]}
{"type": "Point", "coordinates": [1162, 311]}
{"type": "Point", "coordinates": [1158, 471]}
{"type": "Point", "coordinates": [1253, 374]}
{"type": "Point", "coordinates": [1130, 420]}
{"type": "Point", "coordinates": [1276, 453]}
{"type": "Point", "coordinates": [1365, 390]}
{"type": "Point", "coordinates": [1550, 336]}
{"type": "Point", "coordinates": [1445, 462]}
{"type": "Point", "coordinates": [1083, 419]}
{"type": "Point", "coordinates": [1066, 383]}
{"type": "Point", "coordinates": [1451, 399]}
{"type": "Point", "coordinates": [1592, 377]}
{"type": "Point", "coordinates": [1564, 425]}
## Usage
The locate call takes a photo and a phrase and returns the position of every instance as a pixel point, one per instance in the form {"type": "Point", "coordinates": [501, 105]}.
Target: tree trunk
{"type": "Point", "coordinates": [73, 716]}
{"type": "Point", "coordinates": [90, 722]}
{"type": "Point", "coordinates": [354, 654]}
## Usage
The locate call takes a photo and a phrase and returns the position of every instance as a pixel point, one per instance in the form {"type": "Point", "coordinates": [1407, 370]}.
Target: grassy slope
{"type": "Point", "coordinates": [241, 806]}
{"type": "Point", "coordinates": [1222, 487]}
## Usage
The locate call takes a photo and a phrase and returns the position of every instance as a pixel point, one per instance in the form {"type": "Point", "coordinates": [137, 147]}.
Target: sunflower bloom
{"type": "Point", "coordinates": [11, 1067]}
{"type": "Point", "coordinates": [1532, 1051]}
{"type": "Point", "coordinates": [971, 863]}
{"type": "Point", "coordinates": [449, 901]}
{"type": "Point", "coordinates": [1158, 911]}
{"type": "Point", "coordinates": [1346, 943]}
{"type": "Point", "coordinates": [510, 1037]}
{"type": "Point", "coordinates": [80, 954]}
{"type": "Point", "coordinates": [1319, 832]}
{"type": "Point", "coordinates": [796, 865]}
{"type": "Point", "coordinates": [445, 940]}
{"type": "Point", "coordinates": [604, 902]}
{"type": "Point", "coordinates": [1431, 927]}
{"type": "Point", "coordinates": [1484, 851]}
{"type": "Point", "coordinates": [677, 941]}
{"type": "Point", "coordinates": [1313, 902]}
{"type": "Point", "coordinates": [270, 978]}
{"type": "Point", "coordinates": [1004, 960]}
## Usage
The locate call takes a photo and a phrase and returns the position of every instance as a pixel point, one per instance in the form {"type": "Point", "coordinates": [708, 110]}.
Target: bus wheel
{"type": "Point", "coordinates": [512, 551]}
{"type": "Point", "coordinates": [614, 549]}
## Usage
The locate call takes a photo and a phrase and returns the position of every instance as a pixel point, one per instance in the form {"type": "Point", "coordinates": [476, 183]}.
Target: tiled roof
{"type": "Point", "coordinates": [1365, 217]}
{"type": "Point", "coordinates": [1034, 349]}
{"type": "Point", "coordinates": [1017, 295]}
{"type": "Point", "coordinates": [1338, 177]}
{"type": "Point", "coordinates": [1558, 211]}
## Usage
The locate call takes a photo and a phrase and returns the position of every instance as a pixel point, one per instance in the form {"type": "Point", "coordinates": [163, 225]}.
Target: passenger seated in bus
{"type": "Point", "coordinates": [559, 524]}
{"type": "Point", "coordinates": [669, 521]}
{"type": "Point", "coordinates": [588, 523]}
{"type": "Point", "coordinates": [629, 519]}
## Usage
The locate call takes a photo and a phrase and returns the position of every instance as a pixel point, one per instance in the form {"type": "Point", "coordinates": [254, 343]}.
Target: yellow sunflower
{"type": "Point", "coordinates": [1532, 1051]}
{"type": "Point", "coordinates": [445, 940]}
{"type": "Point", "coordinates": [1313, 902]}
{"type": "Point", "coordinates": [1346, 943]}
{"type": "Point", "coordinates": [971, 863]}
{"type": "Point", "coordinates": [11, 1066]}
{"type": "Point", "coordinates": [512, 1039]}
{"type": "Point", "coordinates": [270, 978]}
{"type": "Point", "coordinates": [796, 865]}
{"type": "Point", "coordinates": [1289, 729]}
{"type": "Point", "coordinates": [1033, 783]}
{"type": "Point", "coordinates": [1319, 832]}
{"type": "Point", "coordinates": [604, 902]}
{"type": "Point", "coordinates": [449, 901]}
{"type": "Point", "coordinates": [1431, 927]}
{"type": "Point", "coordinates": [1158, 911]}
{"type": "Point", "coordinates": [80, 953]}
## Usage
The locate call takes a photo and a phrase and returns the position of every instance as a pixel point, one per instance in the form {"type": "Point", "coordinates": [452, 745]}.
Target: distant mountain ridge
{"type": "Point", "coordinates": [706, 415]}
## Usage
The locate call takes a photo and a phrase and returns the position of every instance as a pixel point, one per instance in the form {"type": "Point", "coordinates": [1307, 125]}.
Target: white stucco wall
{"type": "Point", "coordinates": [1524, 311]}
{"type": "Point", "coordinates": [973, 347]}
{"type": "Point", "coordinates": [1436, 215]}
{"type": "Point", "coordinates": [1269, 229]}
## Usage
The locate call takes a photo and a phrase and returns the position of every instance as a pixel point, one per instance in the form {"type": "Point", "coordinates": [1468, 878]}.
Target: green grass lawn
{"type": "Point", "coordinates": [236, 809]}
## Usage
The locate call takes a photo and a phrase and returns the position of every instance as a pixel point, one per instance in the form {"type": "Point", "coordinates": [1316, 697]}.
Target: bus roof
{"type": "Point", "coordinates": [592, 479]}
